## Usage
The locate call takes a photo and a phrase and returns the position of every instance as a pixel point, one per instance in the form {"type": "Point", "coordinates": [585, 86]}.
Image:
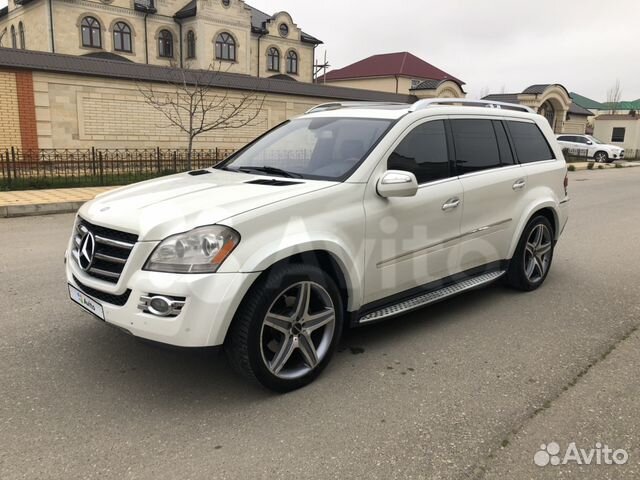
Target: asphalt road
{"type": "Point", "coordinates": [469, 388]}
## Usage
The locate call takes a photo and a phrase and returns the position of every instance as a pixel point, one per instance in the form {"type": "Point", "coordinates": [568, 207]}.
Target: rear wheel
{"type": "Point", "coordinates": [601, 157]}
{"type": "Point", "coordinates": [532, 260]}
{"type": "Point", "coordinates": [287, 328]}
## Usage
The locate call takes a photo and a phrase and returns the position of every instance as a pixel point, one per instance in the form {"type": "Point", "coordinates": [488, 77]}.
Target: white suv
{"type": "Point", "coordinates": [593, 148]}
{"type": "Point", "coordinates": [347, 215]}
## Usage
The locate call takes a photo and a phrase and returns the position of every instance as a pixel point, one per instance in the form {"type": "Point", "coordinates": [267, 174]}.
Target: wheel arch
{"type": "Point", "coordinates": [547, 210]}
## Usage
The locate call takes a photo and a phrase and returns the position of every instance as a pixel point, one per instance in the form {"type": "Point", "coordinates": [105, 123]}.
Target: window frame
{"type": "Point", "coordinates": [14, 38]}
{"type": "Point", "coordinates": [290, 59]}
{"type": "Point", "coordinates": [454, 158]}
{"type": "Point", "coordinates": [123, 33]}
{"type": "Point", "coordinates": [191, 45]}
{"type": "Point", "coordinates": [506, 121]}
{"type": "Point", "coordinates": [613, 134]}
{"type": "Point", "coordinates": [230, 44]}
{"type": "Point", "coordinates": [22, 36]}
{"type": "Point", "coordinates": [273, 53]}
{"type": "Point", "coordinates": [448, 139]}
{"type": "Point", "coordinates": [165, 36]}
{"type": "Point", "coordinates": [95, 25]}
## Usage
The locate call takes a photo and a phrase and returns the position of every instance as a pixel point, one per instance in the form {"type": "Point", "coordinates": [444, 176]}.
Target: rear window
{"type": "Point", "coordinates": [529, 142]}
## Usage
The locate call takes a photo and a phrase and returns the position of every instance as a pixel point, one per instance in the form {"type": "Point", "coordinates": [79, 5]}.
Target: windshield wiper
{"type": "Point", "coordinates": [271, 170]}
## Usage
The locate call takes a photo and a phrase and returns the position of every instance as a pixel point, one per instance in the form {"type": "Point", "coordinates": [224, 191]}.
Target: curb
{"type": "Point", "coordinates": [11, 211]}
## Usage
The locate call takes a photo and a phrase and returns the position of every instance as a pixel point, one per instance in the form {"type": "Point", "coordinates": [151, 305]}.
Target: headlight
{"type": "Point", "coordinates": [201, 250]}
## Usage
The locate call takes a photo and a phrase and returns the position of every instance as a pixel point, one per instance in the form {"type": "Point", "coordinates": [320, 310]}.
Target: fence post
{"type": "Point", "coordinates": [13, 160]}
{"type": "Point", "coordinates": [101, 168]}
{"type": "Point", "coordinates": [175, 161]}
{"type": "Point", "coordinates": [93, 160]}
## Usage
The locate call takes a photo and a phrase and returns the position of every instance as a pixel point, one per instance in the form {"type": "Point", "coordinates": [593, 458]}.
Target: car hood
{"type": "Point", "coordinates": [165, 206]}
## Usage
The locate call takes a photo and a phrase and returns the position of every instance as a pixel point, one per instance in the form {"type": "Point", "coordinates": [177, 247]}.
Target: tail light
{"type": "Point", "coordinates": [566, 184]}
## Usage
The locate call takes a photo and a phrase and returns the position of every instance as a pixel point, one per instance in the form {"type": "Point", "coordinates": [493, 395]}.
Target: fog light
{"type": "Point", "coordinates": [160, 306]}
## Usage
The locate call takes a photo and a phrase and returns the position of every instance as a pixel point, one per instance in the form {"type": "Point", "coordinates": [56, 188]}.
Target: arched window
{"type": "Point", "coordinates": [122, 37]}
{"type": "Point", "coordinates": [165, 44]}
{"type": "Point", "coordinates": [191, 44]}
{"type": "Point", "coordinates": [225, 47]}
{"type": "Point", "coordinates": [273, 59]}
{"type": "Point", "coordinates": [91, 36]}
{"type": "Point", "coordinates": [292, 62]}
{"type": "Point", "coordinates": [14, 43]}
{"type": "Point", "coordinates": [23, 44]}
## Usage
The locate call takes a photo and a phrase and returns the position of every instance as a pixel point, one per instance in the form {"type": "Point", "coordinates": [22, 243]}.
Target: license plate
{"type": "Point", "coordinates": [85, 302]}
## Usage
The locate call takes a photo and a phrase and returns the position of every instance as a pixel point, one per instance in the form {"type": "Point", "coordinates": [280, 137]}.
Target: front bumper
{"type": "Point", "coordinates": [211, 303]}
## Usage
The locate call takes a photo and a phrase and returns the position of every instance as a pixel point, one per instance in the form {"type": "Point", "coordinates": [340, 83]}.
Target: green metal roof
{"type": "Point", "coordinates": [587, 103]}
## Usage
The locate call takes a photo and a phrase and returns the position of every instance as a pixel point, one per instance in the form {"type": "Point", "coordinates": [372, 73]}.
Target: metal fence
{"type": "Point", "coordinates": [53, 168]}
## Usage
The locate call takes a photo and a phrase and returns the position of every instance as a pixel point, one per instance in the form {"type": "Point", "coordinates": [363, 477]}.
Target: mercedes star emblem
{"type": "Point", "coordinates": [87, 250]}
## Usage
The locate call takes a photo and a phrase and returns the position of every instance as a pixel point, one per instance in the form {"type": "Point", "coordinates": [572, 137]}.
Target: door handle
{"type": "Point", "coordinates": [519, 184]}
{"type": "Point", "coordinates": [451, 204]}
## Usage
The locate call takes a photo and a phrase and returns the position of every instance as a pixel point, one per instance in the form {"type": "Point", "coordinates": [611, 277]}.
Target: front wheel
{"type": "Point", "coordinates": [532, 260]}
{"type": "Point", "coordinates": [287, 328]}
{"type": "Point", "coordinates": [601, 157]}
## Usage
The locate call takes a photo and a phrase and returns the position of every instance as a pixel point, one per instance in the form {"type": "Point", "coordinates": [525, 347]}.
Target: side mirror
{"type": "Point", "coordinates": [397, 183]}
{"type": "Point", "coordinates": [589, 142]}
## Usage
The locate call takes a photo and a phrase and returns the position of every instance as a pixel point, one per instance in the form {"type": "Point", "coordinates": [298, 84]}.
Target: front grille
{"type": "Point", "coordinates": [112, 249]}
{"type": "Point", "coordinates": [118, 300]}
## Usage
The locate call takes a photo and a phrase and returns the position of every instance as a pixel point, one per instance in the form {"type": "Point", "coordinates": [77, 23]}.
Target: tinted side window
{"type": "Point", "coordinates": [475, 145]}
{"type": "Point", "coordinates": [423, 152]}
{"type": "Point", "coordinates": [580, 140]}
{"type": "Point", "coordinates": [565, 139]}
{"type": "Point", "coordinates": [529, 142]}
{"type": "Point", "coordinates": [506, 156]}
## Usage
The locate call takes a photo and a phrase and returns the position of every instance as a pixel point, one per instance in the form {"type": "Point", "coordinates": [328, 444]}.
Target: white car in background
{"type": "Point", "coordinates": [601, 152]}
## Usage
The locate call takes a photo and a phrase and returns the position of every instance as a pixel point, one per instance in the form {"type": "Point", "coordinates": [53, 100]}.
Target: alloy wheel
{"type": "Point", "coordinates": [297, 330]}
{"type": "Point", "coordinates": [537, 253]}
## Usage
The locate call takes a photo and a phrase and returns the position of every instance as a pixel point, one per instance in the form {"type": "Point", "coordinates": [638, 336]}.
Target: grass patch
{"type": "Point", "coordinates": [33, 183]}
{"type": "Point", "coordinates": [571, 168]}
{"type": "Point", "coordinates": [590, 166]}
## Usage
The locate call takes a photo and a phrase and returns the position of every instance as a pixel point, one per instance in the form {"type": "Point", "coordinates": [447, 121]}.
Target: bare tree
{"type": "Point", "coordinates": [614, 95]}
{"type": "Point", "coordinates": [2, 35]}
{"type": "Point", "coordinates": [201, 101]}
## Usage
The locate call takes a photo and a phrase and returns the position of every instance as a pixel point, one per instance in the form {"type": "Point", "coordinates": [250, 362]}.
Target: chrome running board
{"type": "Point", "coordinates": [431, 297]}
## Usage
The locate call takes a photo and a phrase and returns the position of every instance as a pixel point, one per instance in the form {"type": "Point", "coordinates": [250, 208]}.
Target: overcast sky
{"type": "Point", "coordinates": [489, 44]}
{"type": "Point", "coordinates": [583, 44]}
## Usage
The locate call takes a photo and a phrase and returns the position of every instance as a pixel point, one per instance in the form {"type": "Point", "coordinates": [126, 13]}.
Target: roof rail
{"type": "Point", "coordinates": [430, 102]}
{"type": "Point", "coordinates": [337, 105]}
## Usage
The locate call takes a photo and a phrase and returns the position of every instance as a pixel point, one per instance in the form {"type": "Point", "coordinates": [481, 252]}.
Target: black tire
{"type": "Point", "coordinates": [601, 157]}
{"type": "Point", "coordinates": [244, 344]}
{"type": "Point", "coordinates": [517, 276]}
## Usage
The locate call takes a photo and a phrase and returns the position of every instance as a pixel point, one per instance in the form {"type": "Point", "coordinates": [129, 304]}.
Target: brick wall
{"type": "Point", "coordinates": [26, 110]}
{"type": "Point", "coordinates": [9, 116]}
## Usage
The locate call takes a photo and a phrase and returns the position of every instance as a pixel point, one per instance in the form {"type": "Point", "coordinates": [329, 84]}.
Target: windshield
{"type": "Point", "coordinates": [594, 140]}
{"type": "Point", "coordinates": [314, 148]}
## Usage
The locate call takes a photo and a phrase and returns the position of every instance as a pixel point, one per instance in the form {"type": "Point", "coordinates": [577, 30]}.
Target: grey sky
{"type": "Point", "coordinates": [583, 44]}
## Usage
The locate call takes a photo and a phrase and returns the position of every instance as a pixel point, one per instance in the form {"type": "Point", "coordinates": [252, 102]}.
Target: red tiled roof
{"type": "Point", "coordinates": [391, 64]}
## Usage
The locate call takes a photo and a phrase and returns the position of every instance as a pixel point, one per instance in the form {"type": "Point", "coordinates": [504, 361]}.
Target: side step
{"type": "Point", "coordinates": [430, 297]}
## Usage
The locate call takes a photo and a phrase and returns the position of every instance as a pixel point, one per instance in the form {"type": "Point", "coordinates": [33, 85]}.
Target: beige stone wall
{"type": "Point", "coordinates": [73, 111]}
{"type": "Point", "coordinates": [603, 129]}
{"type": "Point", "coordinates": [9, 119]}
{"type": "Point", "coordinates": [380, 84]}
{"type": "Point", "coordinates": [575, 125]}
{"type": "Point", "coordinates": [34, 19]}
{"type": "Point", "coordinates": [212, 19]}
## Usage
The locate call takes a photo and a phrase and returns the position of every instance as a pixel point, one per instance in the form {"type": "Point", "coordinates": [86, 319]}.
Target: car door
{"type": "Point", "coordinates": [413, 241]}
{"type": "Point", "coordinates": [494, 186]}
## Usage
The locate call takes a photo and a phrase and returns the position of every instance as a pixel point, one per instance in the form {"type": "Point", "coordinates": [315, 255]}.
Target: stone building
{"type": "Point", "coordinates": [554, 103]}
{"type": "Point", "coordinates": [400, 72]}
{"type": "Point", "coordinates": [197, 33]}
